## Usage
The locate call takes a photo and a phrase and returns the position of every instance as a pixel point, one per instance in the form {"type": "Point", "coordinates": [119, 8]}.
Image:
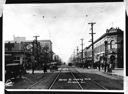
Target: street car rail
{"type": "Point", "coordinates": [74, 77]}
{"type": "Point", "coordinates": [93, 81]}
{"type": "Point", "coordinates": [54, 81]}
{"type": "Point", "coordinates": [77, 81]}
{"type": "Point", "coordinates": [58, 77]}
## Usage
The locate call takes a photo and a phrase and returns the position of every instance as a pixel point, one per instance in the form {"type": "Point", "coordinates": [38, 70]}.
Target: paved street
{"type": "Point", "coordinates": [69, 78]}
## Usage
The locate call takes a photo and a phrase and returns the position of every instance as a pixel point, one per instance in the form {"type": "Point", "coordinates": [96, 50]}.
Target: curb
{"type": "Point", "coordinates": [111, 74]}
{"type": "Point", "coordinates": [120, 76]}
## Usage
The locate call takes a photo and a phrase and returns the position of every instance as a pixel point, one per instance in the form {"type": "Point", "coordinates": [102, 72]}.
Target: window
{"type": "Point", "coordinates": [112, 44]}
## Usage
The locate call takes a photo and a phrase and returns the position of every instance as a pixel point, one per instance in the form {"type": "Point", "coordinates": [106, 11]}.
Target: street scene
{"type": "Point", "coordinates": [72, 46]}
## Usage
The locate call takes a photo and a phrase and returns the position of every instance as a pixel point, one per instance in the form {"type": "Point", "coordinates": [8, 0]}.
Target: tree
{"type": "Point", "coordinates": [44, 58]}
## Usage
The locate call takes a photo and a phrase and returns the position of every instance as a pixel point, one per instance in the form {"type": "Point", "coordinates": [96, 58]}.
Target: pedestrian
{"type": "Point", "coordinates": [45, 68]}
{"type": "Point", "coordinates": [33, 64]}
{"type": "Point", "coordinates": [105, 63]}
{"type": "Point", "coordinates": [110, 67]}
{"type": "Point", "coordinates": [112, 59]}
{"type": "Point", "coordinates": [99, 62]}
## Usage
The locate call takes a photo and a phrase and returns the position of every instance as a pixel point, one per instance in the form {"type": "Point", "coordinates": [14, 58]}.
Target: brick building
{"type": "Point", "coordinates": [114, 39]}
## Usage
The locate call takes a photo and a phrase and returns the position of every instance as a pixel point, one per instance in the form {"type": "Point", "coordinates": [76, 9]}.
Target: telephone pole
{"type": "Point", "coordinates": [77, 49]}
{"type": "Point", "coordinates": [82, 50]}
{"type": "Point", "coordinates": [36, 37]}
{"type": "Point", "coordinates": [74, 56]}
{"type": "Point", "coordinates": [92, 23]}
{"type": "Point", "coordinates": [35, 48]}
{"type": "Point", "coordinates": [36, 41]}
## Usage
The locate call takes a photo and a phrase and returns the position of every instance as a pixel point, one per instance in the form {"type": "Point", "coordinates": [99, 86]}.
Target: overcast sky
{"type": "Point", "coordinates": [64, 24]}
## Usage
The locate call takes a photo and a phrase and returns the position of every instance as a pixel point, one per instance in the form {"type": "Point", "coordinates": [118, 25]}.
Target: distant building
{"type": "Point", "coordinates": [46, 43]}
{"type": "Point", "coordinates": [16, 39]}
{"type": "Point", "coordinates": [114, 39]}
{"type": "Point", "coordinates": [19, 39]}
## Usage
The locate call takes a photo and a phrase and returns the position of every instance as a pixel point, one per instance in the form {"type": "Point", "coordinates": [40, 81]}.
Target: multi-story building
{"type": "Point", "coordinates": [18, 56]}
{"type": "Point", "coordinates": [41, 43]}
{"type": "Point", "coordinates": [47, 44]}
{"type": "Point", "coordinates": [23, 50]}
{"type": "Point", "coordinates": [114, 39]}
{"type": "Point", "coordinates": [16, 51]}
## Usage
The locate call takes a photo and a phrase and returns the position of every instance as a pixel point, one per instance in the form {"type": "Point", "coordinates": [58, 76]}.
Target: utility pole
{"type": "Point", "coordinates": [36, 40]}
{"type": "Point", "coordinates": [82, 50]}
{"type": "Point", "coordinates": [36, 48]}
{"type": "Point", "coordinates": [74, 56]}
{"type": "Point", "coordinates": [77, 49]}
{"type": "Point", "coordinates": [92, 23]}
{"type": "Point", "coordinates": [36, 37]}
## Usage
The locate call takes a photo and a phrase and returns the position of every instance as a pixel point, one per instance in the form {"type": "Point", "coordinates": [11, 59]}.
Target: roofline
{"type": "Point", "coordinates": [105, 34]}
{"type": "Point", "coordinates": [44, 40]}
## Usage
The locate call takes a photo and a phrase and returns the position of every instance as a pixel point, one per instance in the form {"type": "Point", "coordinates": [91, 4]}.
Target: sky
{"type": "Point", "coordinates": [64, 23]}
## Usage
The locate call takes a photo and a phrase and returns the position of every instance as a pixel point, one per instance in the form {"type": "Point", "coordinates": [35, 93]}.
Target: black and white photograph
{"type": "Point", "coordinates": [64, 46]}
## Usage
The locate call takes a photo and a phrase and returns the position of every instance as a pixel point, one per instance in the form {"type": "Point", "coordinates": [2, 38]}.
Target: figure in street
{"type": "Point", "coordinates": [33, 63]}
{"type": "Point", "coordinates": [45, 68]}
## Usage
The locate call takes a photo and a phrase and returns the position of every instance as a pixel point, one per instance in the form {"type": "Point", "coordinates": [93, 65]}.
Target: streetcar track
{"type": "Point", "coordinates": [59, 75]}
{"type": "Point", "coordinates": [94, 81]}
{"type": "Point", "coordinates": [34, 84]}
{"type": "Point", "coordinates": [54, 81]}
{"type": "Point", "coordinates": [77, 81]}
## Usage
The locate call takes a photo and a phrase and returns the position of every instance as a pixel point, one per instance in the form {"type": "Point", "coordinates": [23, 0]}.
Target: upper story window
{"type": "Point", "coordinates": [112, 44]}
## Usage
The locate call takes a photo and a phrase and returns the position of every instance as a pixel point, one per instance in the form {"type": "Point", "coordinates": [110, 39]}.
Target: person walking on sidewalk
{"type": "Point", "coordinates": [102, 62]}
{"type": "Point", "coordinates": [105, 63]}
{"type": "Point", "coordinates": [112, 59]}
{"type": "Point", "coordinates": [99, 62]}
{"type": "Point", "coordinates": [45, 68]}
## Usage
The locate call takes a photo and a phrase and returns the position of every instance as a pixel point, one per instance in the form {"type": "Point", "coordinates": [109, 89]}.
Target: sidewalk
{"type": "Point", "coordinates": [37, 71]}
{"type": "Point", "coordinates": [41, 71]}
{"type": "Point", "coordinates": [117, 73]}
